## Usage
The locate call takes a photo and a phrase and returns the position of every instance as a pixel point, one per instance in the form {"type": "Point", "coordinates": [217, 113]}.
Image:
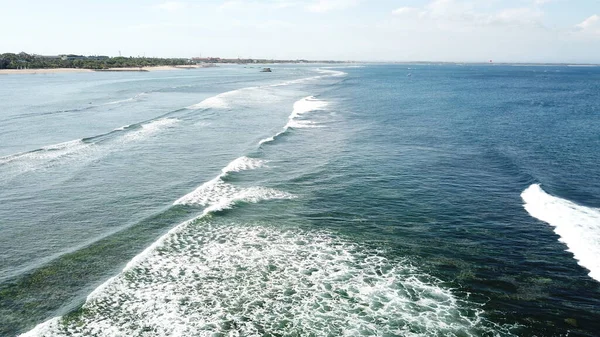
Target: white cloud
{"type": "Point", "coordinates": [593, 22]}
{"type": "Point", "coordinates": [171, 6]}
{"type": "Point", "coordinates": [446, 8]}
{"type": "Point", "coordinates": [240, 5]}
{"type": "Point", "coordinates": [234, 5]}
{"type": "Point", "coordinates": [318, 6]}
{"type": "Point", "coordinates": [328, 5]}
{"type": "Point", "coordinates": [589, 27]}
{"type": "Point", "coordinates": [459, 13]}
{"type": "Point", "coordinates": [518, 16]}
{"type": "Point", "coordinates": [405, 11]}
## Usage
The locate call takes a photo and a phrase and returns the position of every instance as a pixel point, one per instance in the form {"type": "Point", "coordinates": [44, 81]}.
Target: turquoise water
{"type": "Point", "coordinates": [304, 202]}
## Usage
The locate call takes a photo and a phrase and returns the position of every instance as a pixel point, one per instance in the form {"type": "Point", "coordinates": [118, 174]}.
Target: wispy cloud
{"type": "Point", "coordinates": [590, 25]}
{"type": "Point", "coordinates": [469, 13]}
{"type": "Point", "coordinates": [402, 11]}
{"type": "Point", "coordinates": [589, 22]}
{"type": "Point", "coordinates": [317, 6]}
{"type": "Point", "coordinates": [171, 6]}
{"type": "Point", "coordinates": [518, 16]}
{"type": "Point", "coordinates": [322, 6]}
{"type": "Point", "coordinates": [240, 5]}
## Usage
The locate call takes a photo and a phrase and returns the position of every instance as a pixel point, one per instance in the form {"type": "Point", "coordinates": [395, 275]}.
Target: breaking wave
{"type": "Point", "coordinates": [131, 99]}
{"type": "Point", "coordinates": [49, 152]}
{"type": "Point", "coordinates": [577, 226]}
{"type": "Point", "coordinates": [150, 128]}
{"type": "Point", "coordinates": [306, 104]}
{"type": "Point", "coordinates": [79, 150]}
{"type": "Point", "coordinates": [331, 72]}
{"type": "Point", "coordinates": [48, 156]}
{"type": "Point", "coordinates": [207, 278]}
{"type": "Point", "coordinates": [217, 102]}
{"type": "Point", "coordinates": [89, 106]}
{"type": "Point", "coordinates": [220, 101]}
{"type": "Point", "coordinates": [218, 194]}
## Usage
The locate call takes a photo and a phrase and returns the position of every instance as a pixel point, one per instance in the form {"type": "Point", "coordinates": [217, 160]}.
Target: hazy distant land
{"type": "Point", "coordinates": [24, 63]}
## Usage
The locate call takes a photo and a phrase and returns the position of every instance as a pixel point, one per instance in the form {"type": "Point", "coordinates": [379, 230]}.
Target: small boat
{"type": "Point", "coordinates": [266, 70]}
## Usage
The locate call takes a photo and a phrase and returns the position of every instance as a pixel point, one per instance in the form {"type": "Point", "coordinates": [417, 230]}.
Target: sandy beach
{"type": "Point", "coordinates": [43, 71]}
{"type": "Point", "coordinates": [79, 70]}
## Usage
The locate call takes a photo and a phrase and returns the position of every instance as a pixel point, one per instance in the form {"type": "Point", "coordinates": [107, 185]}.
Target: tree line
{"type": "Point", "coordinates": [30, 61]}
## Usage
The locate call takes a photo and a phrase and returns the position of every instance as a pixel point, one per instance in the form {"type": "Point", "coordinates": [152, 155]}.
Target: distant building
{"type": "Point", "coordinates": [71, 57]}
{"type": "Point", "coordinates": [206, 59]}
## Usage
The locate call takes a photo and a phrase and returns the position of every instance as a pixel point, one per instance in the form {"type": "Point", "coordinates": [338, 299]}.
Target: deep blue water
{"type": "Point", "coordinates": [387, 200]}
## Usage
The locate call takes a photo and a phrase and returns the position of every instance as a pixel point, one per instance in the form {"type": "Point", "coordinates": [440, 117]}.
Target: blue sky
{"type": "Point", "coordinates": [387, 30]}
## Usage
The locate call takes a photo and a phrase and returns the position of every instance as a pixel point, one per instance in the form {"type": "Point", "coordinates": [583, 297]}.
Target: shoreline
{"type": "Point", "coordinates": [81, 70]}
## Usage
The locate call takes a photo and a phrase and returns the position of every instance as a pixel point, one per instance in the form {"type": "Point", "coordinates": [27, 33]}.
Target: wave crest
{"type": "Point", "coordinates": [302, 106]}
{"type": "Point", "coordinates": [577, 226]}
{"type": "Point", "coordinates": [218, 195]}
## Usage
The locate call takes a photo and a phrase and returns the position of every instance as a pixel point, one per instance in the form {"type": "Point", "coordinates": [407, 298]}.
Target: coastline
{"type": "Point", "coordinates": [81, 70]}
{"type": "Point", "coordinates": [43, 71]}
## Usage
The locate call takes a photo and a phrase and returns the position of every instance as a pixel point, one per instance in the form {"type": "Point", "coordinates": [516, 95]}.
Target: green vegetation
{"type": "Point", "coordinates": [31, 61]}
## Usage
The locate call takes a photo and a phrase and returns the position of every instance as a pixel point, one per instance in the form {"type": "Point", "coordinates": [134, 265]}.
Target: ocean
{"type": "Point", "coordinates": [316, 200]}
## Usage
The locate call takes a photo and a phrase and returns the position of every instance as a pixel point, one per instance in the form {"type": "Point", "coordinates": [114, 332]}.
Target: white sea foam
{"type": "Point", "coordinates": [243, 163]}
{"type": "Point", "coordinates": [268, 139]}
{"type": "Point", "coordinates": [151, 128]}
{"type": "Point", "coordinates": [296, 124]}
{"type": "Point", "coordinates": [76, 151]}
{"type": "Point", "coordinates": [45, 157]}
{"type": "Point", "coordinates": [219, 101]}
{"type": "Point", "coordinates": [131, 99]}
{"type": "Point", "coordinates": [296, 81]}
{"type": "Point", "coordinates": [48, 152]}
{"type": "Point", "coordinates": [122, 128]}
{"type": "Point", "coordinates": [307, 104]}
{"type": "Point", "coordinates": [218, 194]}
{"type": "Point", "coordinates": [325, 73]}
{"type": "Point", "coordinates": [222, 100]}
{"type": "Point", "coordinates": [302, 106]}
{"type": "Point", "coordinates": [208, 278]}
{"type": "Point", "coordinates": [577, 226]}
{"type": "Point", "coordinates": [331, 72]}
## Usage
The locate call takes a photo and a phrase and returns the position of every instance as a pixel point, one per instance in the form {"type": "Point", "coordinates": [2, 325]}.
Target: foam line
{"type": "Point", "coordinates": [219, 101]}
{"type": "Point", "coordinates": [206, 278]}
{"type": "Point", "coordinates": [148, 129]}
{"type": "Point", "coordinates": [131, 99]}
{"type": "Point", "coordinates": [17, 164]}
{"type": "Point", "coordinates": [47, 152]}
{"type": "Point", "coordinates": [334, 73]}
{"type": "Point", "coordinates": [80, 150]}
{"type": "Point", "coordinates": [302, 106]}
{"type": "Point", "coordinates": [217, 194]}
{"type": "Point", "coordinates": [577, 226]}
